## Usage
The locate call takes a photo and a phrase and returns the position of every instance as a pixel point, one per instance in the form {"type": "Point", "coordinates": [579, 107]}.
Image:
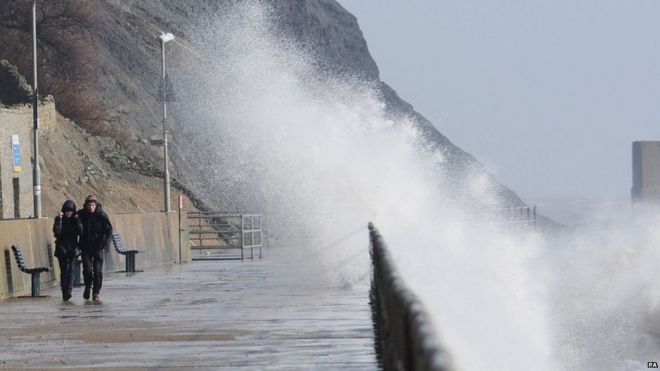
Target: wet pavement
{"type": "Point", "coordinates": [206, 315]}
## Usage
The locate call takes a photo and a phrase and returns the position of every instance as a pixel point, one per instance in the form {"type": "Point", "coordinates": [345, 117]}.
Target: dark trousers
{"type": "Point", "coordinates": [93, 269]}
{"type": "Point", "coordinates": [67, 273]}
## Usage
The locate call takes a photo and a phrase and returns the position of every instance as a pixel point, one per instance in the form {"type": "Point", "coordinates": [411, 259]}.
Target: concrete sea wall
{"type": "Point", "coordinates": [157, 235]}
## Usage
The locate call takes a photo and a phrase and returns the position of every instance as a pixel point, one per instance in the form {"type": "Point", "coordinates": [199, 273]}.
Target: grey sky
{"type": "Point", "coordinates": [548, 94]}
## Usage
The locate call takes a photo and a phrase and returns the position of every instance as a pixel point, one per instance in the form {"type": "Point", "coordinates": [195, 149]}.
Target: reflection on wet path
{"type": "Point", "coordinates": [214, 314]}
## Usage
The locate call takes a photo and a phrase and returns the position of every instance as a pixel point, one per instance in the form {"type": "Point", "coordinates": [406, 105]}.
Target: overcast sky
{"type": "Point", "coordinates": [548, 94]}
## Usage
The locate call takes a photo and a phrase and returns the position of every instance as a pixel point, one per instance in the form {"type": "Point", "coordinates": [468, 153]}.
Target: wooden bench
{"type": "Point", "coordinates": [34, 272]}
{"type": "Point", "coordinates": [121, 248]}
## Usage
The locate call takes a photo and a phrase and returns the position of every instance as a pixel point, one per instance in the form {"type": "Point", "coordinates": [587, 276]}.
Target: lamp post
{"type": "Point", "coordinates": [36, 170]}
{"type": "Point", "coordinates": [165, 37]}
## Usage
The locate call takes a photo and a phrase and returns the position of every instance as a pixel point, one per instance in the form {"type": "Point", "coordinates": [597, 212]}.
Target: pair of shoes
{"type": "Point", "coordinates": [95, 297]}
{"type": "Point", "coordinates": [86, 293]}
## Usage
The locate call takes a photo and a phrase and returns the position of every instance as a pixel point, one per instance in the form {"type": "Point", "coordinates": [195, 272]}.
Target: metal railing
{"type": "Point", "coordinates": [225, 236]}
{"type": "Point", "coordinates": [517, 218]}
{"type": "Point", "coordinates": [406, 339]}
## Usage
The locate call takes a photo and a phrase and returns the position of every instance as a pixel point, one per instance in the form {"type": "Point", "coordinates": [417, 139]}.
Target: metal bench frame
{"type": "Point", "coordinates": [34, 272]}
{"type": "Point", "coordinates": [121, 248]}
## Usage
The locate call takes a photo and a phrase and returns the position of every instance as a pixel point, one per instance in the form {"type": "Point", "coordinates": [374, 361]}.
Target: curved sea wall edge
{"type": "Point", "coordinates": [158, 237]}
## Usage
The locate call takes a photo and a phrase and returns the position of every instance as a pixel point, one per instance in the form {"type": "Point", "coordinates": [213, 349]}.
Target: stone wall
{"type": "Point", "coordinates": [155, 234]}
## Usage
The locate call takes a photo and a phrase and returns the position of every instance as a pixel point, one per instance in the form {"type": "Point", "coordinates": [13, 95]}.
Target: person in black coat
{"type": "Point", "coordinates": [67, 230]}
{"type": "Point", "coordinates": [95, 238]}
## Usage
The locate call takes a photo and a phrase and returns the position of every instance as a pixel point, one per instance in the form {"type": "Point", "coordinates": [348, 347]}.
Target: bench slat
{"type": "Point", "coordinates": [120, 246]}
{"type": "Point", "coordinates": [21, 263]}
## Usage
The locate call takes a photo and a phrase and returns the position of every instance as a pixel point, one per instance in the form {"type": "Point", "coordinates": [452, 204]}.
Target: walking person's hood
{"type": "Point", "coordinates": [69, 206]}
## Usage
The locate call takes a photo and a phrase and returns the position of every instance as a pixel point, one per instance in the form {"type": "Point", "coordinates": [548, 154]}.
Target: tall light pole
{"type": "Point", "coordinates": [36, 170]}
{"type": "Point", "coordinates": [165, 37]}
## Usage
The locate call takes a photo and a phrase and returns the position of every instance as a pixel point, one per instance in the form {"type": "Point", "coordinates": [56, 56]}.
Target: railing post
{"type": "Point", "coordinates": [179, 229]}
{"type": "Point", "coordinates": [242, 237]}
{"type": "Point", "coordinates": [200, 235]}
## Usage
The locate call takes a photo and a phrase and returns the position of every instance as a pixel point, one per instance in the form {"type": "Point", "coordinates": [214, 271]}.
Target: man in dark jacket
{"type": "Point", "coordinates": [96, 237]}
{"type": "Point", "coordinates": [67, 230]}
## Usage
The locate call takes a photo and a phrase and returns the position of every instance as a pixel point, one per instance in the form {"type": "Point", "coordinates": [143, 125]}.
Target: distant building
{"type": "Point", "coordinates": [646, 171]}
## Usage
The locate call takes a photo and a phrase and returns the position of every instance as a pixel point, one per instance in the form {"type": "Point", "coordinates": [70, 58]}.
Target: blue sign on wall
{"type": "Point", "coordinates": [16, 150]}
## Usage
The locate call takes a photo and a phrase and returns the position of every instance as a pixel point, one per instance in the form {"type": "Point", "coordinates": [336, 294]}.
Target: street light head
{"type": "Point", "coordinates": [166, 37]}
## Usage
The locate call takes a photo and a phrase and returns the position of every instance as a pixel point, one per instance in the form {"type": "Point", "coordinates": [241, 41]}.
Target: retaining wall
{"type": "Point", "coordinates": [405, 336]}
{"type": "Point", "coordinates": [155, 234]}
{"type": "Point", "coordinates": [17, 120]}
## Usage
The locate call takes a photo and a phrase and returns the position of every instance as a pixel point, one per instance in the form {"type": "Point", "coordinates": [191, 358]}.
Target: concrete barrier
{"type": "Point", "coordinates": [155, 234]}
{"type": "Point", "coordinates": [158, 235]}
{"type": "Point", "coordinates": [405, 336]}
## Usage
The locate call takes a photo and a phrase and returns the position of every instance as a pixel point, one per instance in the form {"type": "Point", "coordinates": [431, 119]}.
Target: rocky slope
{"type": "Point", "coordinates": [75, 164]}
{"type": "Point", "coordinates": [123, 36]}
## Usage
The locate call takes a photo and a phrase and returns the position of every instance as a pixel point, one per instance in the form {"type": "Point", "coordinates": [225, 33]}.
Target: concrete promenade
{"type": "Point", "coordinates": [205, 315]}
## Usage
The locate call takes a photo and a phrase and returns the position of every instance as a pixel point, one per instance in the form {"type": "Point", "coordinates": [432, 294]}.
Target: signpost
{"type": "Point", "coordinates": [16, 154]}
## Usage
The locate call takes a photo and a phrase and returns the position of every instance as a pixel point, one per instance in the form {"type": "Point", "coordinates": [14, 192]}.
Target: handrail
{"type": "Point", "coordinates": [407, 340]}
{"type": "Point", "coordinates": [230, 230]}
